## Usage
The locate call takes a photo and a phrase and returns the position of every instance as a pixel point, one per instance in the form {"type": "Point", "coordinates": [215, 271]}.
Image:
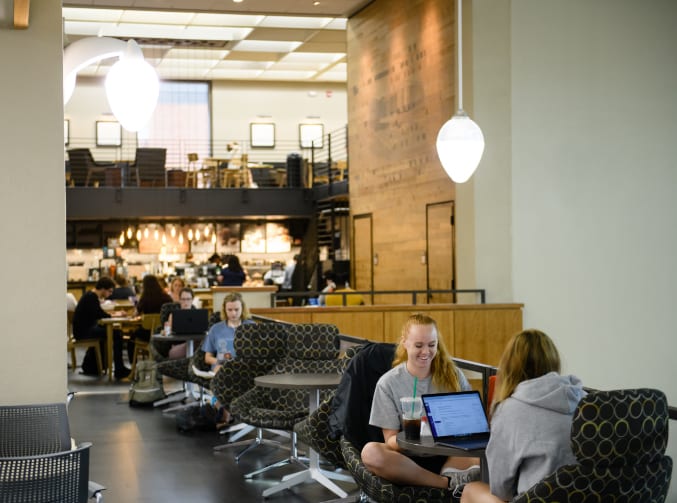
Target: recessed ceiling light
{"type": "Point", "coordinates": [237, 1]}
{"type": "Point", "coordinates": [316, 3]}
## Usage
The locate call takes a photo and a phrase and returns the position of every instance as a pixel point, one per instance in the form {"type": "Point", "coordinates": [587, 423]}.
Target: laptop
{"type": "Point", "coordinates": [457, 419]}
{"type": "Point", "coordinates": [190, 321]}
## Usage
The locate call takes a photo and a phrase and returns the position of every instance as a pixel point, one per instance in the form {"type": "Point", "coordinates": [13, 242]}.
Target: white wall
{"type": "Point", "coordinates": [234, 106]}
{"type": "Point", "coordinates": [593, 184]}
{"type": "Point", "coordinates": [33, 202]}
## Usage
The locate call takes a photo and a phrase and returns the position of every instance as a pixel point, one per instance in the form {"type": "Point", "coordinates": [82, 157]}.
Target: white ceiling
{"type": "Point", "coordinates": [261, 40]}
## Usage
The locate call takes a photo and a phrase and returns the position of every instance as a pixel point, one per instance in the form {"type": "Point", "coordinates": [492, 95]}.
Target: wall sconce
{"type": "Point", "coordinates": [460, 142]}
{"type": "Point", "coordinates": [132, 85]}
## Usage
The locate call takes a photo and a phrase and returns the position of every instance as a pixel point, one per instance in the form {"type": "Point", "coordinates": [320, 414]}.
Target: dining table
{"type": "Point", "coordinates": [111, 324]}
{"type": "Point", "coordinates": [314, 383]}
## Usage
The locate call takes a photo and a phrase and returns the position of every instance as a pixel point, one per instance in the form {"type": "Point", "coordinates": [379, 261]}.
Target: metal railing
{"type": "Point", "coordinates": [345, 294]}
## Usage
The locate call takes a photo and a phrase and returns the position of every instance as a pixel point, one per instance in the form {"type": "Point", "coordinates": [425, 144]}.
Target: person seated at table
{"type": "Point", "coordinates": [153, 295]}
{"type": "Point", "coordinates": [421, 362]}
{"type": "Point", "coordinates": [232, 274]}
{"type": "Point", "coordinates": [123, 290]}
{"type": "Point", "coordinates": [352, 299]}
{"type": "Point", "coordinates": [218, 345]}
{"type": "Point", "coordinates": [175, 287]}
{"type": "Point", "coordinates": [174, 350]}
{"type": "Point", "coordinates": [86, 318]}
{"type": "Point", "coordinates": [531, 421]}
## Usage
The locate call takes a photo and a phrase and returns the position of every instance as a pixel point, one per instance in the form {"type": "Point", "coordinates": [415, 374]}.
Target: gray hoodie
{"type": "Point", "coordinates": [531, 433]}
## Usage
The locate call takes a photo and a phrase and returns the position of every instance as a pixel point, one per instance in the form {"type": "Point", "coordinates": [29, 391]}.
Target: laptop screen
{"type": "Point", "coordinates": [453, 415]}
{"type": "Point", "coordinates": [190, 321]}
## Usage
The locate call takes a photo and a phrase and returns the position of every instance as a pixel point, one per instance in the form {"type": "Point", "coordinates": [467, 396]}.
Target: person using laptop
{"type": "Point", "coordinates": [174, 351]}
{"type": "Point", "coordinates": [531, 421]}
{"type": "Point", "coordinates": [421, 358]}
{"type": "Point", "coordinates": [218, 345]}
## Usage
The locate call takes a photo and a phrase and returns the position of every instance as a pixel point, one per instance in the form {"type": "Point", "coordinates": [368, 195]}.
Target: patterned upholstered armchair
{"type": "Point", "coordinates": [619, 439]}
{"type": "Point", "coordinates": [350, 419]}
{"type": "Point", "coordinates": [258, 348]}
{"type": "Point", "coordinates": [315, 429]}
{"type": "Point", "coordinates": [310, 348]}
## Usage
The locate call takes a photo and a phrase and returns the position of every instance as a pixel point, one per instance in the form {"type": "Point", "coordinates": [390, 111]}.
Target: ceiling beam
{"type": "Point", "coordinates": [21, 8]}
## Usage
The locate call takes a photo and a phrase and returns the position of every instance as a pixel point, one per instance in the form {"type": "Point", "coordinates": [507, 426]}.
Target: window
{"type": "Point", "coordinates": [181, 122]}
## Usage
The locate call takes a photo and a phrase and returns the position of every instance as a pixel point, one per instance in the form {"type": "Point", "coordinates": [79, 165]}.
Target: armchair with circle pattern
{"type": "Point", "coordinates": [619, 439]}
{"type": "Point", "coordinates": [315, 429]}
{"type": "Point", "coordinates": [310, 348]}
{"type": "Point", "coordinates": [258, 347]}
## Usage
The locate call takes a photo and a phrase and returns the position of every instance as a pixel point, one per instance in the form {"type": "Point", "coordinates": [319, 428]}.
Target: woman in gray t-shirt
{"type": "Point", "coordinates": [421, 356]}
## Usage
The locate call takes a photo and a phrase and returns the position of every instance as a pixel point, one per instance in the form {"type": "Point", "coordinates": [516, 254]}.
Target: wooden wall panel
{"type": "Point", "coordinates": [394, 321]}
{"type": "Point", "coordinates": [368, 325]}
{"type": "Point", "coordinates": [485, 333]}
{"type": "Point", "coordinates": [473, 332]}
{"type": "Point", "coordinates": [401, 75]}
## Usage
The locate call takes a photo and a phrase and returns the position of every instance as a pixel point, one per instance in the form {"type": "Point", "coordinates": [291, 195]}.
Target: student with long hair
{"type": "Point", "coordinates": [421, 356]}
{"type": "Point", "coordinates": [531, 420]}
{"type": "Point", "coordinates": [218, 345]}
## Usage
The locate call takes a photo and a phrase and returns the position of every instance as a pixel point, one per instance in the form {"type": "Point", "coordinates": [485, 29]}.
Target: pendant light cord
{"type": "Point", "coordinates": [459, 46]}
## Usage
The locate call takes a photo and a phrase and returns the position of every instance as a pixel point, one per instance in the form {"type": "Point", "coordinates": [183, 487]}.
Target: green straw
{"type": "Point", "coordinates": [413, 402]}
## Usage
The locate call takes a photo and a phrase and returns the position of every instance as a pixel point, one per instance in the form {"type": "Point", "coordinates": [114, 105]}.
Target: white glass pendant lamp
{"type": "Point", "coordinates": [132, 85]}
{"type": "Point", "coordinates": [460, 142]}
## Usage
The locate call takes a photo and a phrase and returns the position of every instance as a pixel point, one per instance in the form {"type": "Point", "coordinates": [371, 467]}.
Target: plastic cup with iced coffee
{"type": "Point", "coordinates": [412, 410]}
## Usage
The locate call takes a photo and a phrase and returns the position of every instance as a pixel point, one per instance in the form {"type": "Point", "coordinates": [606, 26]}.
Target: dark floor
{"type": "Point", "coordinates": [139, 455]}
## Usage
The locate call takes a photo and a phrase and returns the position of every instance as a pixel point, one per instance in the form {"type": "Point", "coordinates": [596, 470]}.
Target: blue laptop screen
{"type": "Point", "coordinates": [456, 414]}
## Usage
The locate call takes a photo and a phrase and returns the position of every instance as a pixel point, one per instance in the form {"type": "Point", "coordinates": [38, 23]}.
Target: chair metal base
{"type": "Point", "coordinates": [243, 429]}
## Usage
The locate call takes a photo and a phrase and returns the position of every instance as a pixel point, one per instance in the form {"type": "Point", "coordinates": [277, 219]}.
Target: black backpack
{"type": "Point", "coordinates": [197, 418]}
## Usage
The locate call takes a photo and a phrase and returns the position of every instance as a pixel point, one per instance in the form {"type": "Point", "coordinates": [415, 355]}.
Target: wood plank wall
{"type": "Point", "coordinates": [401, 74]}
{"type": "Point", "coordinates": [476, 332]}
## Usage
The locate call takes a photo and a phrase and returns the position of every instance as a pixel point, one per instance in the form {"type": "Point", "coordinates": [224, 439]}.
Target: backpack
{"type": "Point", "coordinates": [146, 386]}
{"type": "Point", "coordinates": [197, 418]}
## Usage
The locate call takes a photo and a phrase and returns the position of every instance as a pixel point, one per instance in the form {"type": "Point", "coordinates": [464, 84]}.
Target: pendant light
{"type": "Point", "coordinates": [460, 142]}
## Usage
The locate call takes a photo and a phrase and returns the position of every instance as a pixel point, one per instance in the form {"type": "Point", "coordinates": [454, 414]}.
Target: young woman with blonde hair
{"type": "Point", "coordinates": [421, 357]}
{"type": "Point", "coordinates": [531, 421]}
{"type": "Point", "coordinates": [218, 345]}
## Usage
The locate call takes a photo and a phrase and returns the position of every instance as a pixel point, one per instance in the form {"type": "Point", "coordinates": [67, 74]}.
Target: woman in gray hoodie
{"type": "Point", "coordinates": [531, 421]}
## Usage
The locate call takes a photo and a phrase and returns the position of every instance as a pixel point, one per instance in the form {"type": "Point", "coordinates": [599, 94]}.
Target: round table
{"type": "Point", "coordinates": [314, 382]}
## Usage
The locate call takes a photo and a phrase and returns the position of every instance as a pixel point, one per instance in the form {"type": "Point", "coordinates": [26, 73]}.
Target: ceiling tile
{"type": "Point", "coordinates": [238, 41]}
{"type": "Point", "coordinates": [265, 46]}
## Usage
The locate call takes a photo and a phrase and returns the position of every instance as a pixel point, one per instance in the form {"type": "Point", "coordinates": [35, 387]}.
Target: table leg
{"type": "Point", "coordinates": [313, 472]}
{"type": "Point", "coordinates": [188, 393]}
{"type": "Point", "coordinates": [109, 350]}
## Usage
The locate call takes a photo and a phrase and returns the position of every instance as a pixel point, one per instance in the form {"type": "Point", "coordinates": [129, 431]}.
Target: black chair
{"type": "Point", "coordinates": [36, 459]}
{"type": "Point", "coordinates": [84, 168]}
{"type": "Point", "coordinates": [619, 439]}
{"type": "Point", "coordinates": [149, 166]}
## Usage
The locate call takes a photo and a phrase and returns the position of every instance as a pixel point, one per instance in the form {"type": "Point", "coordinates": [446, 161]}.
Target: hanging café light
{"type": "Point", "coordinates": [460, 142]}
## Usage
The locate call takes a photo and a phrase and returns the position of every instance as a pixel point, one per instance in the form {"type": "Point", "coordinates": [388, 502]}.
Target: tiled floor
{"type": "Point", "coordinates": [139, 455]}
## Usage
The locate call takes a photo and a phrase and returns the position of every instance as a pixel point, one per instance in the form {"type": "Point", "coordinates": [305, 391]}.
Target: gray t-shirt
{"type": "Point", "coordinates": [395, 384]}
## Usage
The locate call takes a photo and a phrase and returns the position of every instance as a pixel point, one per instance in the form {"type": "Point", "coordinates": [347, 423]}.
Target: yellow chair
{"type": "Point", "coordinates": [72, 343]}
{"type": "Point", "coordinates": [142, 348]}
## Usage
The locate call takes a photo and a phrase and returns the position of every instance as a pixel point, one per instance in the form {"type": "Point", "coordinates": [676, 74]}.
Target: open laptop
{"type": "Point", "coordinates": [457, 419]}
{"type": "Point", "coordinates": [190, 321]}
